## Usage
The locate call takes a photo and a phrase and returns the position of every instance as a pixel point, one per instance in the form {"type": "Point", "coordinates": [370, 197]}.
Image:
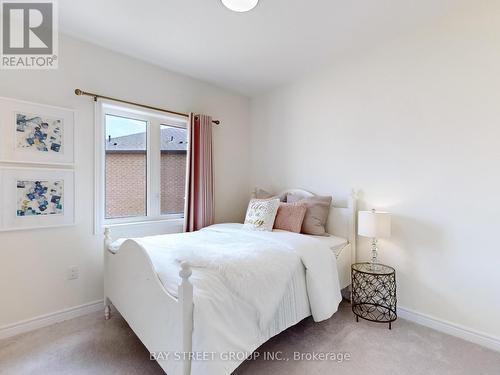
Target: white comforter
{"type": "Point", "coordinates": [239, 279]}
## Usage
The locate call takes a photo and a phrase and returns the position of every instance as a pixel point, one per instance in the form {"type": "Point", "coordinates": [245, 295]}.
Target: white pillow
{"type": "Point", "coordinates": [261, 214]}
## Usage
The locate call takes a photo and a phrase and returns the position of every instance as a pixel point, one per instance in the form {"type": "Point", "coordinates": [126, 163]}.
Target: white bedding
{"type": "Point", "coordinates": [336, 244]}
{"type": "Point", "coordinates": [248, 285]}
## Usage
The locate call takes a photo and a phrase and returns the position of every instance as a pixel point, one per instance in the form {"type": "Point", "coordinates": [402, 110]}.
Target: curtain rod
{"type": "Point", "coordinates": [96, 96]}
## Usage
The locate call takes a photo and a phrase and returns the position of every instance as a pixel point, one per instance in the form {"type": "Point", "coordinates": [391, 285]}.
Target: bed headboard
{"type": "Point", "coordinates": [341, 220]}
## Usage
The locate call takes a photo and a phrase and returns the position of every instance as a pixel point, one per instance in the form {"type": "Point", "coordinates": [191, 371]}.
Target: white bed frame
{"type": "Point", "coordinates": [164, 323]}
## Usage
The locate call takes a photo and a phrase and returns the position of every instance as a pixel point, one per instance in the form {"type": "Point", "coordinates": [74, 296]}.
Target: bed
{"type": "Point", "coordinates": [232, 310]}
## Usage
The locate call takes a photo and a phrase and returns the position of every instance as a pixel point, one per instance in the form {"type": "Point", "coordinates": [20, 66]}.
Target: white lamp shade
{"type": "Point", "coordinates": [374, 224]}
{"type": "Point", "coordinates": [240, 5]}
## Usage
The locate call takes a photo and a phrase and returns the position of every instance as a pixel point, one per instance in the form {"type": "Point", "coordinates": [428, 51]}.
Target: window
{"type": "Point", "coordinates": [126, 167]}
{"type": "Point", "coordinates": [173, 169]}
{"type": "Point", "coordinates": [142, 165]}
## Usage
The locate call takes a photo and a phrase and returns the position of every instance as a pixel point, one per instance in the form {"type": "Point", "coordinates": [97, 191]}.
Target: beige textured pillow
{"type": "Point", "coordinates": [263, 194]}
{"type": "Point", "coordinates": [261, 214]}
{"type": "Point", "coordinates": [318, 208]}
{"type": "Point", "coordinates": [290, 217]}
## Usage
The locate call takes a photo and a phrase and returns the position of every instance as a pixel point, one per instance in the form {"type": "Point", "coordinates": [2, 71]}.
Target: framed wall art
{"type": "Point", "coordinates": [36, 134]}
{"type": "Point", "coordinates": [36, 198]}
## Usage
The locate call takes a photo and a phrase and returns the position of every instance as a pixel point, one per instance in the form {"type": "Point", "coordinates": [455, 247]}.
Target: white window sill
{"type": "Point", "coordinates": [145, 228]}
{"type": "Point", "coordinates": [172, 221]}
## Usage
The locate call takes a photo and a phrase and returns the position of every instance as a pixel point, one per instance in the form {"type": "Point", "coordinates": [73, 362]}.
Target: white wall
{"type": "Point", "coordinates": [33, 264]}
{"type": "Point", "coordinates": [414, 124]}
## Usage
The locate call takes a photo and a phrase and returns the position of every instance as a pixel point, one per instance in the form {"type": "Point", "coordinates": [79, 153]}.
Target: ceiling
{"type": "Point", "coordinates": [249, 53]}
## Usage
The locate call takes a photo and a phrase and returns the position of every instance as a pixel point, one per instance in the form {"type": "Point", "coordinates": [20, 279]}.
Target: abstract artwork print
{"type": "Point", "coordinates": [39, 133]}
{"type": "Point", "coordinates": [40, 197]}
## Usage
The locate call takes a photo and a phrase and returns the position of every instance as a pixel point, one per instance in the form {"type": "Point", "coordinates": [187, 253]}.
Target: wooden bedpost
{"type": "Point", "coordinates": [107, 302]}
{"type": "Point", "coordinates": [185, 293]}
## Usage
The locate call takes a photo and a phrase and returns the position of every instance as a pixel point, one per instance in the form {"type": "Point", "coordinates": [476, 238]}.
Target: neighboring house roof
{"type": "Point", "coordinates": [172, 139]}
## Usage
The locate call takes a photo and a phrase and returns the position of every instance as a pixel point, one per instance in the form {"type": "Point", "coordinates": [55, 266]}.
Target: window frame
{"type": "Point", "coordinates": [154, 120]}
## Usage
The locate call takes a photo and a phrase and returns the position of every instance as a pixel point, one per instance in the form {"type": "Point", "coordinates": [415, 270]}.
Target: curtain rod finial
{"type": "Point", "coordinates": [78, 92]}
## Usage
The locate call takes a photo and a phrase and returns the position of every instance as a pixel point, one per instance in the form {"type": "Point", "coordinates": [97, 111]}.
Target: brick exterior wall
{"type": "Point", "coordinates": [173, 182]}
{"type": "Point", "coordinates": [126, 183]}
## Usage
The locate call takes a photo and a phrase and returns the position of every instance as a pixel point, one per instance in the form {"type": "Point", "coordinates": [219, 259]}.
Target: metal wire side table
{"type": "Point", "coordinates": [374, 292]}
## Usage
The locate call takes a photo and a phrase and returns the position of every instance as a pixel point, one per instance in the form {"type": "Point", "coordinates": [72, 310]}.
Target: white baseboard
{"type": "Point", "coordinates": [49, 319]}
{"type": "Point", "coordinates": [450, 328]}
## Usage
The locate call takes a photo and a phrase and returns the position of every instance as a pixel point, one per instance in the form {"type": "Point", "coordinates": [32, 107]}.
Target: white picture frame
{"type": "Point", "coordinates": [33, 133]}
{"type": "Point", "coordinates": [36, 198]}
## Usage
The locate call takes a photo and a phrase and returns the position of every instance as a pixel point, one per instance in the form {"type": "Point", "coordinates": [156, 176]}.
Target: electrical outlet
{"type": "Point", "coordinates": [73, 273]}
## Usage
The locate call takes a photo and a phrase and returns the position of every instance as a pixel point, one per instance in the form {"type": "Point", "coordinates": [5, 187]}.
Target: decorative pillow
{"type": "Point", "coordinates": [262, 194]}
{"type": "Point", "coordinates": [316, 216]}
{"type": "Point", "coordinates": [290, 216]}
{"type": "Point", "coordinates": [261, 214]}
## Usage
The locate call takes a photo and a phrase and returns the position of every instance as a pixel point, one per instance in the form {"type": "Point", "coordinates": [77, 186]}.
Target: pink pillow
{"type": "Point", "coordinates": [290, 216]}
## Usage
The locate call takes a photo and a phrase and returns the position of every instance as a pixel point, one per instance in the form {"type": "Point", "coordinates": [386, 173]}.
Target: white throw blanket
{"type": "Point", "coordinates": [231, 264]}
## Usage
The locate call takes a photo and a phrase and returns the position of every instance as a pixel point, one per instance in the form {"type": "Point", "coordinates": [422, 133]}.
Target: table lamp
{"type": "Point", "coordinates": [374, 224]}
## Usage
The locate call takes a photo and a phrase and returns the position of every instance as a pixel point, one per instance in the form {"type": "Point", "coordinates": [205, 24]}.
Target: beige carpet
{"type": "Point", "coordinates": [91, 345]}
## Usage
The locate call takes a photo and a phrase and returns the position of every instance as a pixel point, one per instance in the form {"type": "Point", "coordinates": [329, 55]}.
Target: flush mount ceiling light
{"type": "Point", "coordinates": [240, 5]}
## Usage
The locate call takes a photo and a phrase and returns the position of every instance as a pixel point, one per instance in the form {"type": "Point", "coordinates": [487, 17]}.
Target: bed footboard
{"type": "Point", "coordinates": [162, 322]}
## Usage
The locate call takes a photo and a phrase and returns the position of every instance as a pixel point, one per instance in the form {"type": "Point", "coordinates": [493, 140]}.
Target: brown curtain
{"type": "Point", "coordinates": [199, 205]}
